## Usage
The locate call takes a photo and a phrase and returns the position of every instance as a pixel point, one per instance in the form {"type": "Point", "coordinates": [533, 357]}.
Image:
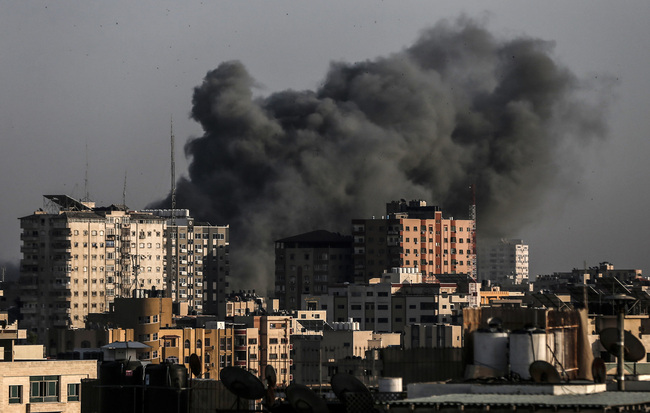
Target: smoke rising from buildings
{"type": "Point", "coordinates": [459, 106]}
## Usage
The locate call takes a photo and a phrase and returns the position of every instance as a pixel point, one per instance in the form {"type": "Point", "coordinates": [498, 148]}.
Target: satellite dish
{"type": "Point", "coordinates": [544, 372]}
{"type": "Point", "coordinates": [598, 370]}
{"type": "Point", "coordinates": [270, 376]}
{"type": "Point", "coordinates": [242, 383]}
{"type": "Point", "coordinates": [347, 387]}
{"type": "Point", "coordinates": [195, 365]}
{"type": "Point", "coordinates": [633, 349]}
{"type": "Point", "coordinates": [494, 323]}
{"type": "Point", "coordinates": [305, 400]}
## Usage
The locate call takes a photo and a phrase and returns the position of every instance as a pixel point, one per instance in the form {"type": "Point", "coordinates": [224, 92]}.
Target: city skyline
{"type": "Point", "coordinates": [99, 76]}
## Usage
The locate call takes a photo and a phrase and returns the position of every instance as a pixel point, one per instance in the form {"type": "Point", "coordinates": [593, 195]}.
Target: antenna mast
{"type": "Point", "coordinates": [86, 196]}
{"type": "Point", "coordinates": [472, 216]}
{"type": "Point", "coordinates": [124, 191]}
{"type": "Point", "coordinates": [171, 122]}
{"type": "Point", "coordinates": [172, 236]}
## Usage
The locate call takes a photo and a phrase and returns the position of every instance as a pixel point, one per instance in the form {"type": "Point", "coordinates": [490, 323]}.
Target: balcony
{"type": "Point", "coordinates": [29, 287]}
{"type": "Point", "coordinates": [29, 250]}
{"type": "Point", "coordinates": [240, 363]}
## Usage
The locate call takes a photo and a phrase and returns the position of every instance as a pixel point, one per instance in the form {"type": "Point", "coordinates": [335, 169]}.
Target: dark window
{"type": "Point", "coordinates": [73, 392]}
{"type": "Point", "coordinates": [15, 394]}
{"type": "Point", "coordinates": [44, 389]}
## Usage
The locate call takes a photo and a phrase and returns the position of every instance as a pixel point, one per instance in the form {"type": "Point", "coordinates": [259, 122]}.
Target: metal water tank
{"type": "Point", "coordinates": [390, 385]}
{"type": "Point", "coordinates": [491, 350]}
{"type": "Point", "coordinates": [526, 346]}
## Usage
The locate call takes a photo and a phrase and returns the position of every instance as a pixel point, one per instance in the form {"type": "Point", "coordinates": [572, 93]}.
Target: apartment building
{"type": "Point", "coordinates": [310, 264]}
{"type": "Point", "coordinates": [197, 264]}
{"type": "Point", "coordinates": [413, 235]}
{"type": "Point", "coordinates": [77, 258]}
{"type": "Point", "coordinates": [275, 345]}
{"type": "Point", "coordinates": [503, 261]}
{"type": "Point", "coordinates": [30, 383]}
{"type": "Point", "coordinates": [395, 302]}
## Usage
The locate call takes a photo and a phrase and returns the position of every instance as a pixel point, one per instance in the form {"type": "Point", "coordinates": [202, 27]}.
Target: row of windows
{"type": "Point", "coordinates": [43, 389]}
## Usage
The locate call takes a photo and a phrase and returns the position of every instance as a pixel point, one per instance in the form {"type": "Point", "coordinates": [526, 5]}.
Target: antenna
{"type": "Point", "coordinates": [173, 166]}
{"type": "Point", "coordinates": [173, 243]}
{"type": "Point", "coordinates": [86, 196]}
{"type": "Point", "coordinates": [124, 191]}
{"type": "Point", "coordinates": [472, 216]}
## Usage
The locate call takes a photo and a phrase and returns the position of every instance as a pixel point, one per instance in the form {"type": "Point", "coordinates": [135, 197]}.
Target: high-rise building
{"type": "Point", "coordinates": [77, 258]}
{"type": "Point", "coordinates": [413, 235]}
{"type": "Point", "coordinates": [503, 261]}
{"type": "Point", "coordinates": [307, 264]}
{"type": "Point", "coordinates": [197, 262]}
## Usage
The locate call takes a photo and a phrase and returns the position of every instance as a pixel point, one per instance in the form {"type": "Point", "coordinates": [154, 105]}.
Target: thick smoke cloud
{"type": "Point", "coordinates": [459, 106]}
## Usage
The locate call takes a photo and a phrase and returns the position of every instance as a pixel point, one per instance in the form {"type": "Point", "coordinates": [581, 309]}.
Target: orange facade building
{"type": "Point", "coordinates": [413, 235]}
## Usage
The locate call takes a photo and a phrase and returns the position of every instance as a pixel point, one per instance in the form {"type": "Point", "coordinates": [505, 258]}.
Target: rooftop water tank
{"type": "Point", "coordinates": [491, 350]}
{"type": "Point", "coordinates": [526, 346]}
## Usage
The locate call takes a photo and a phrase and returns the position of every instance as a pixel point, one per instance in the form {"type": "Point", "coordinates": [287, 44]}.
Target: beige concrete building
{"type": "Point", "coordinates": [44, 386]}
{"type": "Point", "coordinates": [29, 383]}
{"type": "Point", "coordinates": [413, 235]}
{"type": "Point", "coordinates": [388, 306]}
{"type": "Point", "coordinates": [197, 263]}
{"type": "Point", "coordinates": [78, 258]}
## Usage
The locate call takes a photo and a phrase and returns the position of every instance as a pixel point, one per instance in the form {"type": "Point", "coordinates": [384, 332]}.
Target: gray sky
{"type": "Point", "coordinates": [109, 75]}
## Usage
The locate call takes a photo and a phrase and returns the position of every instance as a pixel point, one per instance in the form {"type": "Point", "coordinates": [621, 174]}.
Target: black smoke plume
{"type": "Point", "coordinates": [459, 106]}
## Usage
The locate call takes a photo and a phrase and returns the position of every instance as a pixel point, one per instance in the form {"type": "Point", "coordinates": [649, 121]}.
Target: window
{"type": "Point", "coordinates": [15, 394]}
{"type": "Point", "coordinates": [44, 389]}
{"type": "Point", "coordinates": [187, 343]}
{"type": "Point", "coordinates": [73, 392]}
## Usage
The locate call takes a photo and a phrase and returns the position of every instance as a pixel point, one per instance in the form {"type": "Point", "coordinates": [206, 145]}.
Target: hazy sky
{"type": "Point", "coordinates": [110, 74]}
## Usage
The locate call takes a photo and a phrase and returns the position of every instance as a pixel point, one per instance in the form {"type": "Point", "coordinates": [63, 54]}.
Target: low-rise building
{"type": "Point", "coordinates": [29, 382]}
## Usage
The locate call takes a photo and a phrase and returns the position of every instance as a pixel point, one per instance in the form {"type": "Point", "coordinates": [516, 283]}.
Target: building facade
{"type": "Point", "coordinates": [77, 258]}
{"type": "Point", "coordinates": [197, 264]}
{"type": "Point", "coordinates": [503, 261]}
{"type": "Point", "coordinates": [413, 235]}
{"type": "Point", "coordinates": [309, 264]}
